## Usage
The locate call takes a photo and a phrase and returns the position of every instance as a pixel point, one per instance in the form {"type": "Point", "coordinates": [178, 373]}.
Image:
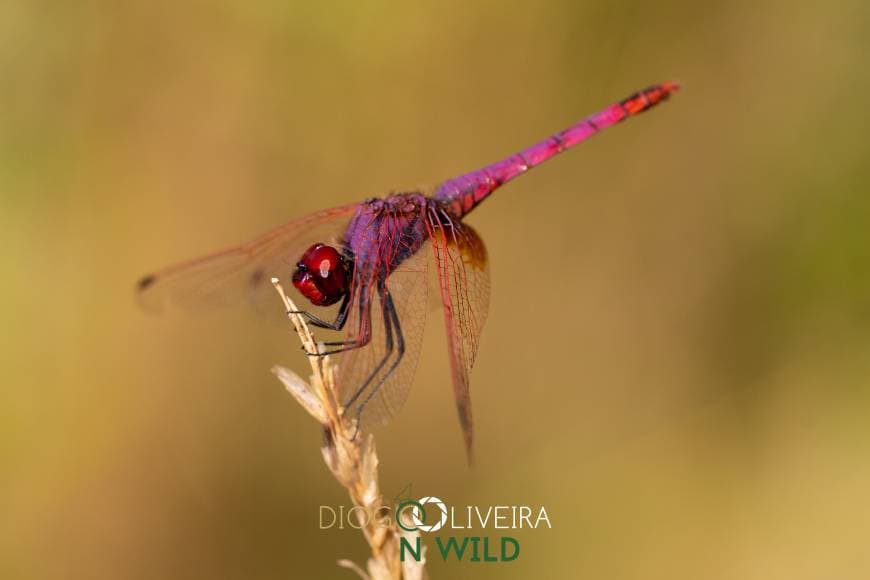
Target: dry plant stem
{"type": "Point", "coordinates": [352, 460]}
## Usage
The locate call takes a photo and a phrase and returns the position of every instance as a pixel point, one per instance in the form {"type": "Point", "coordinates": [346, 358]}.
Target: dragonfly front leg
{"type": "Point", "coordinates": [337, 324]}
{"type": "Point", "coordinates": [364, 332]}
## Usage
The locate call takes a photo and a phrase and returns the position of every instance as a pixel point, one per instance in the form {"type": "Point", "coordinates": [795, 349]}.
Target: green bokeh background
{"type": "Point", "coordinates": [676, 360]}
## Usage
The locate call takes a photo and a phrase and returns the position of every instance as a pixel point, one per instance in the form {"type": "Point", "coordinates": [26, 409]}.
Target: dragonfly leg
{"type": "Point", "coordinates": [390, 308]}
{"type": "Point", "coordinates": [344, 345]}
{"type": "Point", "coordinates": [388, 346]}
{"type": "Point", "coordinates": [364, 335]}
{"type": "Point", "coordinates": [336, 324]}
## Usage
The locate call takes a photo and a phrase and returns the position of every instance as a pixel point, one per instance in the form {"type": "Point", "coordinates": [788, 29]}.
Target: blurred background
{"type": "Point", "coordinates": [677, 359]}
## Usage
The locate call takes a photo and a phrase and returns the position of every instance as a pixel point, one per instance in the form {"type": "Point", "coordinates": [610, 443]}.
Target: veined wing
{"type": "Point", "coordinates": [242, 272]}
{"type": "Point", "coordinates": [463, 279]}
{"type": "Point", "coordinates": [378, 376]}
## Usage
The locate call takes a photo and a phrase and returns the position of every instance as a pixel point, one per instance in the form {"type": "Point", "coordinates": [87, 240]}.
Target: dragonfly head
{"type": "Point", "coordinates": [323, 275]}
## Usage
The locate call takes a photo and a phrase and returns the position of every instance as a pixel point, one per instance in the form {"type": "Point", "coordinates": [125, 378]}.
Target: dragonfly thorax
{"type": "Point", "coordinates": [323, 275]}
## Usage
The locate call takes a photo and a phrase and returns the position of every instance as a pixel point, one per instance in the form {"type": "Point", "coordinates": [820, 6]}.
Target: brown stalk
{"type": "Point", "coordinates": [352, 459]}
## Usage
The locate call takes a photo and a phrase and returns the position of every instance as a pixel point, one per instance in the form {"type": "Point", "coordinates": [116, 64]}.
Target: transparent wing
{"type": "Point", "coordinates": [384, 388]}
{"type": "Point", "coordinates": [463, 279]}
{"type": "Point", "coordinates": [243, 272]}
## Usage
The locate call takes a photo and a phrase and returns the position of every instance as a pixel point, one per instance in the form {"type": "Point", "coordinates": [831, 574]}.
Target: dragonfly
{"type": "Point", "coordinates": [364, 267]}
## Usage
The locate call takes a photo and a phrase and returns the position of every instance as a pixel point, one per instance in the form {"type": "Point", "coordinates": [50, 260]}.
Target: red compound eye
{"type": "Point", "coordinates": [322, 275]}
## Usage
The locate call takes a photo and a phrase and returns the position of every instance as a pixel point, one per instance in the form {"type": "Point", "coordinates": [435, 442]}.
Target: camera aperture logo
{"type": "Point", "coordinates": [431, 515]}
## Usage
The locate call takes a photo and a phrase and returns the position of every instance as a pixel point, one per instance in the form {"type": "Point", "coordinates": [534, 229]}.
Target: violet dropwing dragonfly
{"type": "Point", "coordinates": [370, 259]}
